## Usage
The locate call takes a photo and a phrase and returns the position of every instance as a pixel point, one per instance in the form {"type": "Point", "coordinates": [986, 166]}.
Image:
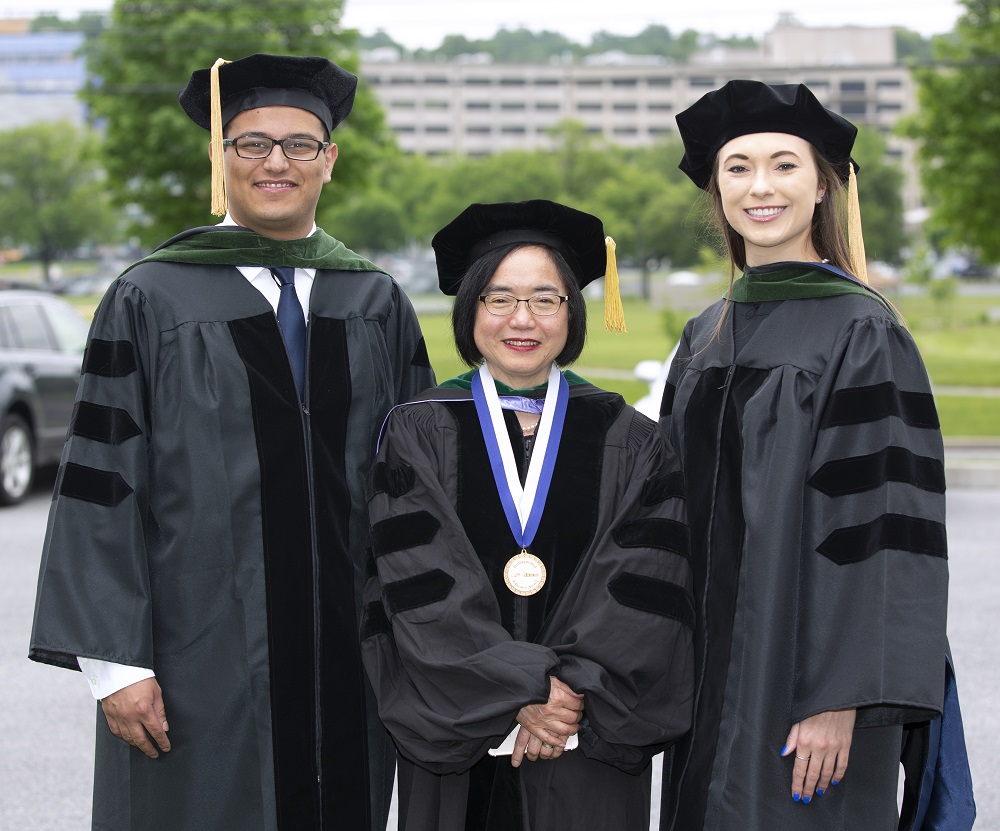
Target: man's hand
{"type": "Point", "coordinates": [545, 727]}
{"type": "Point", "coordinates": [135, 713]}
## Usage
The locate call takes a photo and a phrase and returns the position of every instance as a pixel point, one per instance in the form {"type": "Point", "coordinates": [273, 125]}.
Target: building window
{"type": "Point", "coordinates": [437, 128]}
{"type": "Point", "coordinates": [625, 108]}
{"type": "Point", "coordinates": [402, 105]}
{"type": "Point", "coordinates": [477, 82]}
{"type": "Point", "coordinates": [512, 82]}
{"type": "Point", "coordinates": [479, 129]}
{"type": "Point", "coordinates": [624, 82]}
{"type": "Point", "coordinates": [588, 82]}
{"type": "Point", "coordinates": [404, 128]}
{"type": "Point", "coordinates": [853, 109]}
{"type": "Point", "coordinates": [701, 81]}
{"type": "Point", "coordinates": [659, 131]}
{"type": "Point", "coordinates": [402, 80]}
{"type": "Point", "coordinates": [477, 105]}
{"type": "Point", "coordinates": [547, 105]}
{"type": "Point", "coordinates": [626, 131]}
{"type": "Point", "coordinates": [889, 108]}
{"type": "Point", "coordinates": [546, 82]}
{"type": "Point", "coordinates": [512, 105]}
{"type": "Point", "coordinates": [588, 106]}
{"type": "Point", "coordinates": [661, 106]}
{"type": "Point", "coordinates": [657, 81]}
{"type": "Point", "coordinates": [852, 86]}
{"type": "Point", "coordinates": [436, 105]}
{"type": "Point", "coordinates": [888, 83]}
{"type": "Point", "coordinates": [514, 130]}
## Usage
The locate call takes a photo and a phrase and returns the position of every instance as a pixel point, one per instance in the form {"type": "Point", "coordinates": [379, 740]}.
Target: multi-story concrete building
{"type": "Point", "coordinates": [40, 75]}
{"type": "Point", "coordinates": [473, 106]}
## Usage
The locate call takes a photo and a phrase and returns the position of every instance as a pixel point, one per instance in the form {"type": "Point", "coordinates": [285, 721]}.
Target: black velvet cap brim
{"type": "Point", "coordinates": [741, 108]}
{"type": "Point", "coordinates": [480, 228]}
{"type": "Point", "coordinates": [310, 83]}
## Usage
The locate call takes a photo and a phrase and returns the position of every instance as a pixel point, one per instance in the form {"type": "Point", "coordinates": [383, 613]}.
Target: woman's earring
{"type": "Point", "coordinates": [819, 199]}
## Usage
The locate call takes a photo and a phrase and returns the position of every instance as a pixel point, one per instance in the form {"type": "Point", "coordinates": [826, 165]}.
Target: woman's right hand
{"type": "Point", "coordinates": [545, 727]}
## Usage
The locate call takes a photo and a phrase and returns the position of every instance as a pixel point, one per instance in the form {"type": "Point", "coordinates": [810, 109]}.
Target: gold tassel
{"type": "Point", "coordinates": [219, 205]}
{"type": "Point", "coordinates": [855, 239]}
{"type": "Point", "coordinates": [614, 314]}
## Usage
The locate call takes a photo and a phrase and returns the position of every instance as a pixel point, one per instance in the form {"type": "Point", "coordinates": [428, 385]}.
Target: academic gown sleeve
{"type": "Point", "coordinates": [93, 595]}
{"type": "Point", "coordinates": [623, 635]}
{"type": "Point", "coordinates": [874, 560]}
{"type": "Point", "coordinates": [448, 676]}
{"type": "Point", "coordinates": [406, 342]}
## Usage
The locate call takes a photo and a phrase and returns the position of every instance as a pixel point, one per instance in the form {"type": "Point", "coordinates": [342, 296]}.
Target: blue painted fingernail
{"type": "Point", "coordinates": [835, 782]}
{"type": "Point", "coordinates": [784, 750]}
{"type": "Point", "coordinates": [805, 800]}
{"type": "Point", "coordinates": [820, 792]}
{"type": "Point", "coordinates": [796, 797]}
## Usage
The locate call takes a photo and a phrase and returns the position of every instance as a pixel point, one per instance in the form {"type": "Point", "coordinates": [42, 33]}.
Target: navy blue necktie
{"type": "Point", "coordinates": [293, 325]}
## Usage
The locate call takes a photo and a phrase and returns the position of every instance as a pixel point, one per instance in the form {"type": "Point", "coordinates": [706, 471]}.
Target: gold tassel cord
{"type": "Point", "coordinates": [219, 205]}
{"type": "Point", "coordinates": [855, 239]}
{"type": "Point", "coordinates": [614, 314]}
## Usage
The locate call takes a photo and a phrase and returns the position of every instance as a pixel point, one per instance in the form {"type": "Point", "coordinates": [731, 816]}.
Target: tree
{"type": "Point", "coordinates": [52, 190]}
{"type": "Point", "coordinates": [880, 186]}
{"type": "Point", "coordinates": [958, 123]}
{"type": "Point", "coordinates": [156, 158]}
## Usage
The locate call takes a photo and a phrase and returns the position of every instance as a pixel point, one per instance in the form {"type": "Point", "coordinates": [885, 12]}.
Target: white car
{"type": "Point", "coordinates": [654, 373]}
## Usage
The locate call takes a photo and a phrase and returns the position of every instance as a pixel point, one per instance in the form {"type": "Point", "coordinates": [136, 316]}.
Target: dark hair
{"type": "Point", "coordinates": [477, 278]}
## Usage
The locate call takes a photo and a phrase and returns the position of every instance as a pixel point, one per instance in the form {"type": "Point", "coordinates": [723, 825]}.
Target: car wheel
{"type": "Point", "coordinates": [17, 460]}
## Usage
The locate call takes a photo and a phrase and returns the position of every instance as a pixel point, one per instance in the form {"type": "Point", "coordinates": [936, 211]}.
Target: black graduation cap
{"type": "Point", "coordinates": [309, 83]}
{"type": "Point", "coordinates": [743, 107]}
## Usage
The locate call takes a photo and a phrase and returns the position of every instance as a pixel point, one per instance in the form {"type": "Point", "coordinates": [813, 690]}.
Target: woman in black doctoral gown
{"type": "Point", "coordinates": [531, 576]}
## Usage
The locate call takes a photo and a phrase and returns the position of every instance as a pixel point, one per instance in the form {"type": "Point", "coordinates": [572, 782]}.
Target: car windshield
{"type": "Point", "coordinates": [70, 328]}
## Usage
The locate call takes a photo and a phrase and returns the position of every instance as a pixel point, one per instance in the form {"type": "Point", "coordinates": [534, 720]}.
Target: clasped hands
{"type": "Point", "coordinates": [545, 727]}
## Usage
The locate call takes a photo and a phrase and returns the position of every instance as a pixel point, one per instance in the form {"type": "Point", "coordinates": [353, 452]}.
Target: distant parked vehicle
{"type": "Point", "coordinates": [42, 339]}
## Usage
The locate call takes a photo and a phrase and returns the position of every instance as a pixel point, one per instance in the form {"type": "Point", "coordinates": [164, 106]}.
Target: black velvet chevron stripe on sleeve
{"type": "Point", "coordinates": [394, 480]}
{"type": "Point", "coordinates": [109, 358]}
{"type": "Point", "coordinates": [860, 405]}
{"type": "Point", "coordinates": [890, 531]}
{"type": "Point", "coordinates": [419, 590]}
{"type": "Point", "coordinates": [864, 473]}
{"type": "Point", "coordinates": [663, 486]}
{"type": "Point", "coordinates": [420, 356]}
{"type": "Point", "coordinates": [110, 425]}
{"type": "Point", "coordinates": [374, 621]}
{"type": "Point", "coordinates": [650, 594]}
{"type": "Point", "coordinates": [403, 531]}
{"type": "Point", "coordinates": [102, 487]}
{"type": "Point", "coordinates": [654, 532]}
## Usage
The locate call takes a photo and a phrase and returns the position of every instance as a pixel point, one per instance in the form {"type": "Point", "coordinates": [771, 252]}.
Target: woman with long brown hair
{"type": "Point", "coordinates": [813, 464]}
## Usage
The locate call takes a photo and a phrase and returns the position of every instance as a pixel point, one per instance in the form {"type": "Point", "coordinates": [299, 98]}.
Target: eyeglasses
{"type": "Point", "coordinates": [538, 304]}
{"type": "Point", "coordinates": [260, 147]}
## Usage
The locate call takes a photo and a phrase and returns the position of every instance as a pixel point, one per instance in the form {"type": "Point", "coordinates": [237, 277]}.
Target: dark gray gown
{"type": "Point", "coordinates": [814, 468]}
{"type": "Point", "coordinates": [207, 524]}
{"type": "Point", "coordinates": [453, 654]}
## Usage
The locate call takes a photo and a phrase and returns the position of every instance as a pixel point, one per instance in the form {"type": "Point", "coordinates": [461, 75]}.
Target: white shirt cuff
{"type": "Point", "coordinates": [106, 677]}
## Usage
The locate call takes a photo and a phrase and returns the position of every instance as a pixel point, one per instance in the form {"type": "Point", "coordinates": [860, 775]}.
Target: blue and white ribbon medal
{"type": "Point", "coordinates": [524, 573]}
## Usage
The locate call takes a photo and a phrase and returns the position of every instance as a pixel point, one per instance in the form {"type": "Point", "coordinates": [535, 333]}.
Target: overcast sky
{"type": "Point", "coordinates": [423, 23]}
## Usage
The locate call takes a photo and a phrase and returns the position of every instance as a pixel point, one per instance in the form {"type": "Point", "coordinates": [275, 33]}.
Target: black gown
{"type": "Point", "coordinates": [208, 525]}
{"type": "Point", "coordinates": [814, 466]}
{"type": "Point", "coordinates": [453, 654]}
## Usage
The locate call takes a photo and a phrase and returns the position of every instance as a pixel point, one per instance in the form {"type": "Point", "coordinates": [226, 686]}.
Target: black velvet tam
{"type": "Point", "coordinates": [312, 84]}
{"type": "Point", "coordinates": [578, 236]}
{"type": "Point", "coordinates": [743, 107]}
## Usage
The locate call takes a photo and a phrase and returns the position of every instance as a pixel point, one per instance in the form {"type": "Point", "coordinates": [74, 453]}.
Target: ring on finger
{"type": "Point", "coordinates": [546, 746]}
{"type": "Point", "coordinates": [803, 758]}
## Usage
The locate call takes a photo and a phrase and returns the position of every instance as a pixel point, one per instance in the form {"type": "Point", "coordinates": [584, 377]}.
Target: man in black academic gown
{"type": "Point", "coordinates": [203, 560]}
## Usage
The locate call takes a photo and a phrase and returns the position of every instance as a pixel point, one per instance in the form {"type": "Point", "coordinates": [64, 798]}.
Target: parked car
{"type": "Point", "coordinates": [42, 339]}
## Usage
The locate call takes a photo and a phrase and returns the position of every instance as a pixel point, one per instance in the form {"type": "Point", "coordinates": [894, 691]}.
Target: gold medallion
{"type": "Point", "coordinates": [524, 574]}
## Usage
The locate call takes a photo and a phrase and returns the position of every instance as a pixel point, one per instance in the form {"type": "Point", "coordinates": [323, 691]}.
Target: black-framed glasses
{"type": "Point", "coordinates": [260, 147]}
{"type": "Point", "coordinates": [538, 304]}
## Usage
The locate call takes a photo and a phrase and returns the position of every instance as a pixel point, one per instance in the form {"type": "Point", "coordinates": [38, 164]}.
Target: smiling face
{"type": "Point", "coordinates": [770, 186]}
{"type": "Point", "coordinates": [521, 347]}
{"type": "Point", "coordinates": [276, 196]}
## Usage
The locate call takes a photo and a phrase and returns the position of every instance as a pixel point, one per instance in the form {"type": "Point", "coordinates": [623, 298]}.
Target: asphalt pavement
{"type": "Point", "coordinates": [47, 715]}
